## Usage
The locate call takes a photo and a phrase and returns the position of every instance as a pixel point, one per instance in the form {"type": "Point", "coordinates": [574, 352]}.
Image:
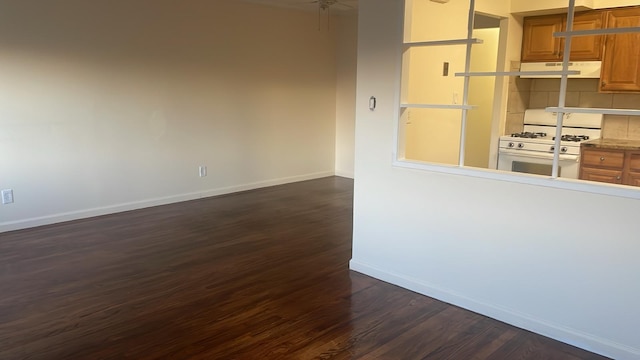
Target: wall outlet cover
{"type": "Point", "coordinates": [7, 196]}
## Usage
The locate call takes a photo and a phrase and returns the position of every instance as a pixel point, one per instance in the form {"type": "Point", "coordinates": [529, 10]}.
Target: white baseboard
{"type": "Point", "coordinates": [346, 174]}
{"type": "Point", "coordinates": [558, 332]}
{"type": "Point", "coordinates": [134, 205]}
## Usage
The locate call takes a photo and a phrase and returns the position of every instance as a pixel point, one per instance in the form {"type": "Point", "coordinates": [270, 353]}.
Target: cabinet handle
{"type": "Point", "coordinates": [617, 177]}
{"type": "Point", "coordinates": [601, 158]}
{"type": "Point", "coordinates": [603, 84]}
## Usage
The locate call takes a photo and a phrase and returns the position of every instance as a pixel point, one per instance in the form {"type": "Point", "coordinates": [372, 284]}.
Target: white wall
{"type": "Point", "coordinates": [107, 107]}
{"type": "Point", "coordinates": [468, 241]}
{"type": "Point", "coordinates": [346, 33]}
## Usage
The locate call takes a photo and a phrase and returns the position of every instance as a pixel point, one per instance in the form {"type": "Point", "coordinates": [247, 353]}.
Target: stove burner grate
{"type": "Point", "coordinates": [573, 138]}
{"type": "Point", "coordinates": [529, 135]}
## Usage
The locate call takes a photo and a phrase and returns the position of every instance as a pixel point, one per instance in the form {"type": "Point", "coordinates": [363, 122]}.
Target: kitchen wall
{"type": "Point", "coordinates": [113, 106]}
{"type": "Point", "coordinates": [584, 93]}
{"type": "Point", "coordinates": [560, 262]}
{"type": "Point", "coordinates": [433, 135]}
{"type": "Point", "coordinates": [541, 93]}
{"type": "Point", "coordinates": [518, 101]}
{"type": "Point", "coordinates": [481, 93]}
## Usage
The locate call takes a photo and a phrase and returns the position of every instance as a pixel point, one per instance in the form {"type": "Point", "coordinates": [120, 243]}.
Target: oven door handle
{"type": "Point", "coordinates": [538, 155]}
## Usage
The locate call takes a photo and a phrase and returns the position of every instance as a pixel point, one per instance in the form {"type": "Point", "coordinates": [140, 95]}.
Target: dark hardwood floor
{"type": "Point", "coordinates": [261, 274]}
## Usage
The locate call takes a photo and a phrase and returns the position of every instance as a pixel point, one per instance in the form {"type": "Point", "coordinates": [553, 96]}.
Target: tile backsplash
{"type": "Point", "coordinates": [542, 93]}
{"type": "Point", "coordinates": [518, 101]}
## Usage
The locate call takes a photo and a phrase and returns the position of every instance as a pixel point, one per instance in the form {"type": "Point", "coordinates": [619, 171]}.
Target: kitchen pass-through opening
{"type": "Point", "coordinates": [433, 135]}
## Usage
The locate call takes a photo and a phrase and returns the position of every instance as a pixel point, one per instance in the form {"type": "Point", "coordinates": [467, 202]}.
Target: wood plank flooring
{"type": "Point", "coordinates": [261, 274]}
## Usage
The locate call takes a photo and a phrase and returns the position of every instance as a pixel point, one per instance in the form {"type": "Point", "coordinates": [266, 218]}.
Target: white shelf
{"type": "Point", "coordinates": [519, 73]}
{"type": "Point", "coordinates": [594, 111]}
{"type": "Point", "coordinates": [591, 32]}
{"type": "Point", "coordinates": [438, 106]}
{"type": "Point", "coordinates": [444, 42]}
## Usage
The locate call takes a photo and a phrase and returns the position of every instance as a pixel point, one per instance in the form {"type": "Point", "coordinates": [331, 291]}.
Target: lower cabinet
{"type": "Point", "coordinates": [610, 166]}
{"type": "Point", "coordinates": [602, 165]}
{"type": "Point", "coordinates": [632, 162]}
{"type": "Point", "coordinates": [601, 175]}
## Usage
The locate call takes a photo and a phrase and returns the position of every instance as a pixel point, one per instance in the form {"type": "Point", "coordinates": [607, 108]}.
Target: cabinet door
{"type": "Point", "coordinates": [621, 57]}
{"type": "Point", "coordinates": [587, 47]}
{"type": "Point", "coordinates": [633, 161]}
{"type": "Point", "coordinates": [632, 168]}
{"type": "Point", "coordinates": [633, 179]}
{"type": "Point", "coordinates": [538, 42]}
{"type": "Point", "coordinates": [601, 175]}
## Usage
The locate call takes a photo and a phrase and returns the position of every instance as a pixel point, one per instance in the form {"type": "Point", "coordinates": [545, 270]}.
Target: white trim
{"type": "Point", "coordinates": [135, 205]}
{"type": "Point", "coordinates": [519, 73]}
{"type": "Point", "coordinates": [443, 42]}
{"type": "Point", "coordinates": [438, 106]}
{"type": "Point", "coordinates": [510, 316]}
{"type": "Point", "coordinates": [590, 32]}
{"type": "Point", "coordinates": [344, 174]}
{"type": "Point", "coordinates": [631, 112]}
{"type": "Point", "coordinates": [529, 179]}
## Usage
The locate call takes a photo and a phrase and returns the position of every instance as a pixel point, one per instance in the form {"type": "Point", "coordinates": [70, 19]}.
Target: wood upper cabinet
{"type": "Point", "coordinates": [621, 59]}
{"type": "Point", "coordinates": [539, 44]}
{"type": "Point", "coordinates": [585, 48]}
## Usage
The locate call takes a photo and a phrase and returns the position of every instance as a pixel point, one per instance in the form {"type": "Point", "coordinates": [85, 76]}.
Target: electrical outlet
{"type": "Point", "coordinates": [202, 171]}
{"type": "Point", "coordinates": [7, 196]}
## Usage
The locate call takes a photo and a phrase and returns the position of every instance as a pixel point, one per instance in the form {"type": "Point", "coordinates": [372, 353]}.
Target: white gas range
{"type": "Point", "coordinates": [531, 151]}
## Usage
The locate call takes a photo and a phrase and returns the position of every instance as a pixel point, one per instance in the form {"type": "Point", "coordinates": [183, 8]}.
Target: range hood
{"type": "Point", "coordinates": [588, 69]}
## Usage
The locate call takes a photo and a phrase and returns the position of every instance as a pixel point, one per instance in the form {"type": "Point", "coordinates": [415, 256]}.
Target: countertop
{"type": "Point", "coordinates": [612, 144]}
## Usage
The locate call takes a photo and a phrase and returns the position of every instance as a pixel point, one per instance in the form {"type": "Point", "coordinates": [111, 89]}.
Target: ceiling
{"type": "Point", "coordinates": [341, 6]}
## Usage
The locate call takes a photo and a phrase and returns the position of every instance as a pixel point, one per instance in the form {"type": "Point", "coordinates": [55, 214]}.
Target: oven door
{"type": "Point", "coordinates": [532, 162]}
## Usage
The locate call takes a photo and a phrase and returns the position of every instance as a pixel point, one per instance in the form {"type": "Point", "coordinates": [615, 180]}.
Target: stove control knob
{"type": "Point", "coordinates": [511, 144]}
{"type": "Point", "coordinates": [552, 148]}
{"type": "Point", "coordinates": [520, 145]}
{"type": "Point", "coordinates": [564, 149]}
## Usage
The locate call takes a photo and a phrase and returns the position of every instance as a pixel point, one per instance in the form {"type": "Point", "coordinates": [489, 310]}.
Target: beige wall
{"type": "Point", "coordinates": [603, 4]}
{"type": "Point", "coordinates": [433, 135]}
{"type": "Point", "coordinates": [112, 106]}
{"type": "Point", "coordinates": [542, 6]}
{"type": "Point", "coordinates": [346, 34]}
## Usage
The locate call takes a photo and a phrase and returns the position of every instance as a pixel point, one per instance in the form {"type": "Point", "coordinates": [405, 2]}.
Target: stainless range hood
{"type": "Point", "coordinates": [588, 69]}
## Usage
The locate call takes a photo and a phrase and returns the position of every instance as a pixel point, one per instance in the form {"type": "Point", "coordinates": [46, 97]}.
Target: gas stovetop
{"type": "Point", "coordinates": [542, 135]}
{"type": "Point", "coordinates": [540, 129]}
